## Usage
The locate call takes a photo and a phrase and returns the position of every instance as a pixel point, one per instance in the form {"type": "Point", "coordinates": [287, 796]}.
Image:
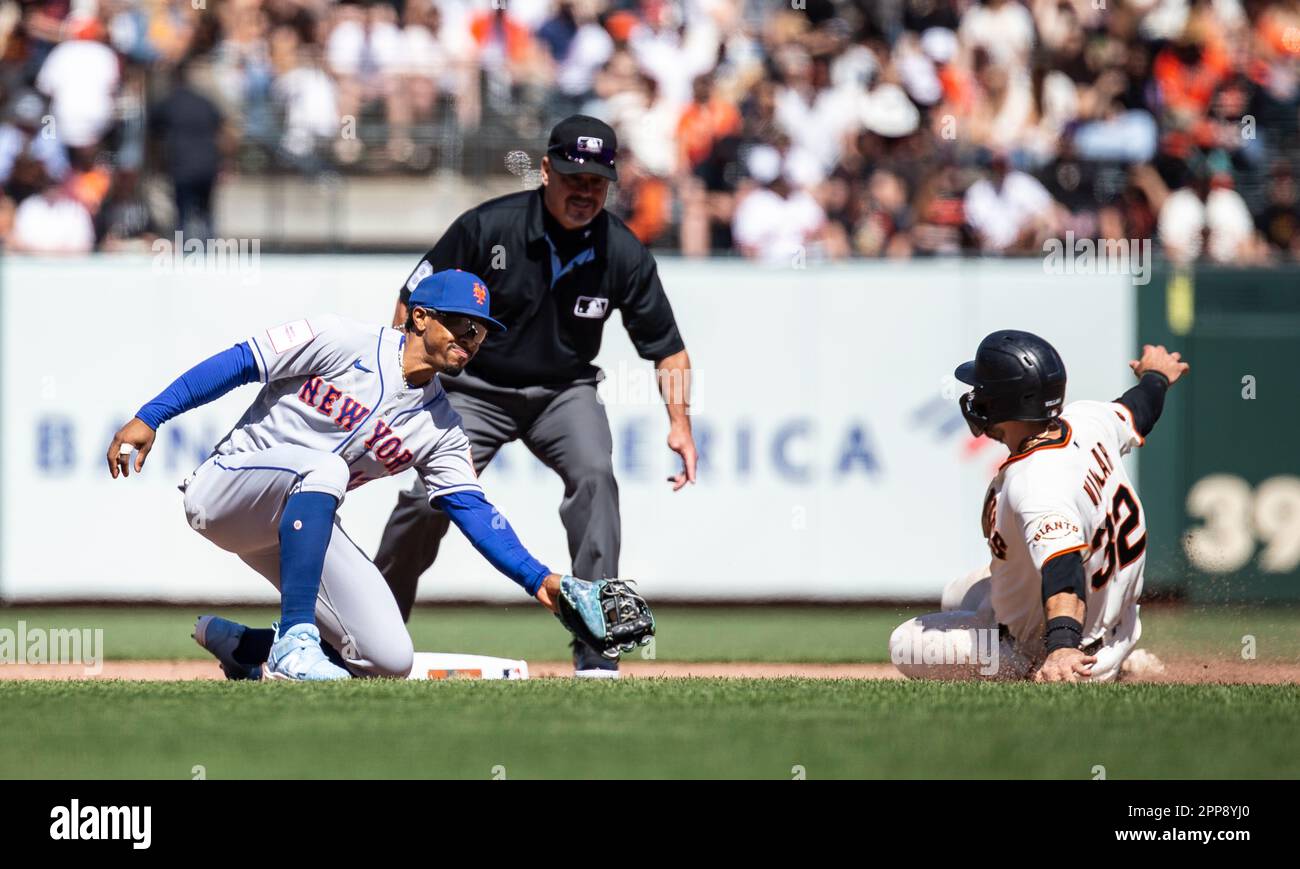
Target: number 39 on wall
{"type": "Point", "coordinates": [1236, 517]}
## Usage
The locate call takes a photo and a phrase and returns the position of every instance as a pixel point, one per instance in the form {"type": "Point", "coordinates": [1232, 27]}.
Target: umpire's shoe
{"type": "Point", "coordinates": [591, 664]}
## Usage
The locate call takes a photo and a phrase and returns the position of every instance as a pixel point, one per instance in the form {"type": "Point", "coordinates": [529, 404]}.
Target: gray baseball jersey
{"type": "Point", "coordinates": [336, 385]}
{"type": "Point", "coordinates": [334, 413]}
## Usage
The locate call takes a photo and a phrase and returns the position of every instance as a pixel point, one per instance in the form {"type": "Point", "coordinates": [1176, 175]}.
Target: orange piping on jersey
{"type": "Point", "coordinates": [1054, 445]}
{"type": "Point", "coordinates": [1127, 416]}
{"type": "Point", "coordinates": [1078, 548]}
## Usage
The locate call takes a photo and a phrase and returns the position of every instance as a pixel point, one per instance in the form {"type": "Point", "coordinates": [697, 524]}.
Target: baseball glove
{"type": "Point", "coordinates": [606, 615]}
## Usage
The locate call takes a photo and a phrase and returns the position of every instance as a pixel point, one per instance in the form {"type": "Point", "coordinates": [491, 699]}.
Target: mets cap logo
{"type": "Point", "coordinates": [480, 293]}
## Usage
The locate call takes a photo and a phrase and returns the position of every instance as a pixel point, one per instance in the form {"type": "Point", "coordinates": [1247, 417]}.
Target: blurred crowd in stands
{"type": "Point", "coordinates": [776, 129]}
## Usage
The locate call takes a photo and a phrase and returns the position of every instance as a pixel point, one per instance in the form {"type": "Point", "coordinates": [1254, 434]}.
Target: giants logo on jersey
{"type": "Point", "coordinates": [1054, 526]}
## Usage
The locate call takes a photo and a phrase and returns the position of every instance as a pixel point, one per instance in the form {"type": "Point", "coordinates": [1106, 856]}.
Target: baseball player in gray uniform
{"type": "Point", "coordinates": [342, 403]}
{"type": "Point", "coordinates": [559, 266]}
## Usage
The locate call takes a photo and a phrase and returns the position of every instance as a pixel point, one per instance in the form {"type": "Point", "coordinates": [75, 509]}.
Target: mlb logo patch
{"type": "Point", "coordinates": [590, 144]}
{"type": "Point", "coordinates": [421, 272]}
{"type": "Point", "coordinates": [590, 307]}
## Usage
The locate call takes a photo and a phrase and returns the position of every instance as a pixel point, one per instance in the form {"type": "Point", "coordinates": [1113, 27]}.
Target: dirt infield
{"type": "Point", "coordinates": [1176, 671]}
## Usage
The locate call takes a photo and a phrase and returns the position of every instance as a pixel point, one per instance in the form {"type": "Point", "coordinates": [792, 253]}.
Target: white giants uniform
{"type": "Point", "coordinates": [1066, 495]}
{"type": "Point", "coordinates": [1070, 494]}
{"type": "Point", "coordinates": [334, 413]}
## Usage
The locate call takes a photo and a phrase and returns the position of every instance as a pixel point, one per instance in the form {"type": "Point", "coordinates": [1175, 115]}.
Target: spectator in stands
{"type": "Point", "coordinates": [1003, 110]}
{"type": "Point", "coordinates": [775, 222]}
{"type": "Point", "coordinates": [1188, 71]}
{"type": "Point", "coordinates": [190, 129]}
{"type": "Point", "coordinates": [308, 99]}
{"type": "Point", "coordinates": [81, 77]}
{"type": "Point", "coordinates": [1009, 211]}
{"type": "Point", "coordinates": [51, 222]}
{"type": "Point", "coordinates": [939, 214]}
{"type": "Point", "coordinates": [814, 115]}
{"type": "Point", "coordinates": [42, 30]}
{"type": "Point", "coordinates": [710, 133]}
{"type": "Point", "coordinates": [508, 54]}
{"type": "Point", "coordinates": [578, 46]}
{"type": "Point", "coordinates": [1002, 28]}
{"type": "Point", "coordinates": [364, 56]}
{"type": "Point", "coordinates": [243, 72]}
{"type": "Point", "coordinates": [643, 199]}
{"type": "Point", "coordinates": [646, 121]}
{"type": "Point", "coordinates": [1204, 215]}
{"type": "Point", "coordinates": [882, 228]}
{"type": "Point", "coordinates": [705, 121]}
{"type": "Point", "coordinates": [434, 59]}
{"type": "Point", "coordinates": [1279, 222]}
{"type": "Point", "coordinates": [125, 223]}
{"type": "Point", "coordinates": [88, 180]}
{"type": "Point", "coordinates": [673, 50]}
{"type": "Point", "coordinates": [25, 132]}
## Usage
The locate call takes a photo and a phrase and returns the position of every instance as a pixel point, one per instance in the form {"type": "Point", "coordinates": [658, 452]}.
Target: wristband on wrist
{"type": "Point", "coordinates": [1063, 632]}
{"type": "Point", "coordinates": [1164, 379]}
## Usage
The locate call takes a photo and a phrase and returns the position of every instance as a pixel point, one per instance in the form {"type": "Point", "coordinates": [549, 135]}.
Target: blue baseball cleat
{"type": "Point", "coordinates": [298, 657]}
{"type": "Point", "coordinates": [221, 637]}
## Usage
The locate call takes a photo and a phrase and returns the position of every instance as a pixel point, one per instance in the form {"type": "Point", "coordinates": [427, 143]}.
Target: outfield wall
{"type": "Point", "coordinates": [836, 465]}
{"type": "Point", "coordinates": [1223, 499]}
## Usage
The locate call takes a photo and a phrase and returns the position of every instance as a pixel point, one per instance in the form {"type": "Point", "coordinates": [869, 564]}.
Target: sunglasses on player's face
{"type": "Point", "coordinates": [571, 152]}
{"type": "Point", "coordinates": [463, 327]}
{"type": "Point", "coordinates": [460, 326]}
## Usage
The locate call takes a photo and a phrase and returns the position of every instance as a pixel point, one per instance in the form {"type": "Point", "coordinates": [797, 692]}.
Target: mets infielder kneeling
{"type": "Point", "coordinates": [1058, 600]}
{"type": "Point", "coordinates": [342, 404]}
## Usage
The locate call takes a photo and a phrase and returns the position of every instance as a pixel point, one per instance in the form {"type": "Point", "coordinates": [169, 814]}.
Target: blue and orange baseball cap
{"type": "Point", "coordinates": [453, 291]}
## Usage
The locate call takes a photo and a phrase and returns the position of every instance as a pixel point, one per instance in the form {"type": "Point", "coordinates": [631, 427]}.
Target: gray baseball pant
{"type": "Point", "coordinates": [566, 427]}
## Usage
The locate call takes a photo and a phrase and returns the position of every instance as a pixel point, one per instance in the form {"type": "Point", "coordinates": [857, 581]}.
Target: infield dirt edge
{"type": "Point", "coordinates": [1189, 671]}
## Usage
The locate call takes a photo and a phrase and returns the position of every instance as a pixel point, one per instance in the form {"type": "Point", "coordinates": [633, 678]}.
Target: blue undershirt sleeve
{"type": "Point", "coordinates": [493, 537]}
{"type": "Point", "coordinates": [207, 381]}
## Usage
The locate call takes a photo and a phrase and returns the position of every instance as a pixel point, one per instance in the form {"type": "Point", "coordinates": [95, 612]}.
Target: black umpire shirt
{"type": "Point", "coordinates": [553, 289]}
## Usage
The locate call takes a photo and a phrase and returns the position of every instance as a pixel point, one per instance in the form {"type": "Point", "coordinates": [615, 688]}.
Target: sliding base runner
{"type": "Point", "coordinates": [442, 665]}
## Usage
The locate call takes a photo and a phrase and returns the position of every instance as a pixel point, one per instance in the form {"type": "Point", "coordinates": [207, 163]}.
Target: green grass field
{"type": "Point", "coordinates": [655, 728]}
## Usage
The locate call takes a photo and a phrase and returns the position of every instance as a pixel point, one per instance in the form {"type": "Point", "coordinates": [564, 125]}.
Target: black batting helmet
{"type": "Point", "coordinates": [1017, 376]}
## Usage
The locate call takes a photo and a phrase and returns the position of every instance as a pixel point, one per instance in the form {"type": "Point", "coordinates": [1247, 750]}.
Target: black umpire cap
{"type": "Point", "coordinates": [581, 143]}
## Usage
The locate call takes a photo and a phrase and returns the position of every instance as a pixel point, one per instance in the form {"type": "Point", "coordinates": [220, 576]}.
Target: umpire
{"type": "Point", "coordinates": [558, 265]}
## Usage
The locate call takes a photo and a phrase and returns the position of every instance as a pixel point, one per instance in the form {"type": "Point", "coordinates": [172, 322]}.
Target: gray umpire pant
{"type": "Point", "coordinates": [566, 427]}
